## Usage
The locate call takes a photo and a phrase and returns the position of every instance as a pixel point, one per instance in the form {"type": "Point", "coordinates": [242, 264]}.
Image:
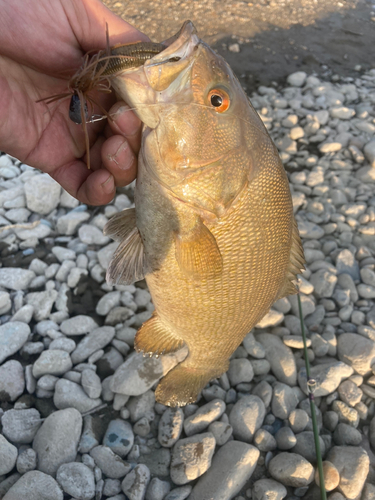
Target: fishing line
{"type": "Point", "coordinates": [311, 386]}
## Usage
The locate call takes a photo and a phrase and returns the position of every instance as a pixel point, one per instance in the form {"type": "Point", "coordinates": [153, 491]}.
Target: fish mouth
{"type": "Point", "coordinates": [160, 79]}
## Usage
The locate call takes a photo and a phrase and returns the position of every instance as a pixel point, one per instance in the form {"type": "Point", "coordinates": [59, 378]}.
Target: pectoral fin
{"type": "Point", "coordinates": [155, 338]}
{"type": "Point", "coordinates": [197, 253]}
{"type": "Point", "coordinates": [296, 264]}
{"type": "Point", "coordinates": [128, 262]}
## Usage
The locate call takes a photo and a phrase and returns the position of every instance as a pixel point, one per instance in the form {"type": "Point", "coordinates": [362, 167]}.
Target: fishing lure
{"type": "Point", "coordinates": [95, 74]}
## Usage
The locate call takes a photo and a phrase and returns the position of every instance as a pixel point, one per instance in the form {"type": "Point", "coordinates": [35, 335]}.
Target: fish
{"type": "Point", "coordinates": [212, 231]}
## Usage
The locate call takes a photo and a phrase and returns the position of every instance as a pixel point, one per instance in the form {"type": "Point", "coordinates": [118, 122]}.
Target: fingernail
{"type": "Point", "coordinates": [122, 109]}
{"type": "Point", "coordinates": [109, 185]}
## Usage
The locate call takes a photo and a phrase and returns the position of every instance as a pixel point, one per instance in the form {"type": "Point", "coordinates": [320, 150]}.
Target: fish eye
{"type": "Point", "coordinates": [174, 59]}
{"type": "Point", "coordinates": [219, 99]}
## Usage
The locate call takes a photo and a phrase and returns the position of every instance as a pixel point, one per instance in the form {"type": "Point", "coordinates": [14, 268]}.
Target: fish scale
{"type": "Point", "coordinates": [213, 230]}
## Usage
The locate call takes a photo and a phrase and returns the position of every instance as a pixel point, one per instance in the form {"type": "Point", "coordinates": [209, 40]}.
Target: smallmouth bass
{"type": "Point", "coordinates": [213, 230]}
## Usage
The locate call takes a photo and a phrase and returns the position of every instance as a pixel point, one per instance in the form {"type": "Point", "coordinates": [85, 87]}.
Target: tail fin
{"type": "Point", "coordinates": [182, 385]}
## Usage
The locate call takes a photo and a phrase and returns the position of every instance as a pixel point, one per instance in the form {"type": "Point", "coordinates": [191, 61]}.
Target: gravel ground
{"type": "Point", "coordinates": [77, 406]}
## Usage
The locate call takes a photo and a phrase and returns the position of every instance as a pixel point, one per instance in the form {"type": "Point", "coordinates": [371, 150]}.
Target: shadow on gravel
{"type": "Point", "coordinates": [332, 45]}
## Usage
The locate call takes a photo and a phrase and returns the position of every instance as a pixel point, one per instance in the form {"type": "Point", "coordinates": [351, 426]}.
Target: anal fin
{"type": "Point", "coordinates": [296, 264]}
{"type": "Point", "coordinates": [197, 253]}
{"type": "Point", "coordinates": [155, 338]}
{"type": "Point", "coordinates": [128, 262]}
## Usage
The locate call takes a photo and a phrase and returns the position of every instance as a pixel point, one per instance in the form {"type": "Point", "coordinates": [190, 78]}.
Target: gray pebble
{"type": "Point", "coordinates": [26, 460]}
{"type": "Point", "coordinates": [240, 370]}
{"type": "Point", "coordinates": [53, 362]}
{"type": "Point", "coordinates": [20, 426]}
{"type": "Point", "coordinates": [285, 438]}
{"type": "Point", "coordinates": [298, 419]}
{"type": "Point", "coordinates": [284, 400]}
{"type": "Point", "coordinates": [305, 446]}
{"type": "Point", "coordinates": [13, 336]}
{"type": "Point", "coordinates": [232, 466]}
{"type": "Point", "coordinates": [170, 426]}
{"type": "Point", "coordinates": [201, 419]}
{"type": "Point", "coordinates": [246, 417]}
{"type": "Point", "coordinates": [8, 455]}
{"type": "Point", "coordinates": [78, 325]}
{"type": "Point", "coordinates": [35, 485]}
{"type": "Point", "coordinates": [91, 384]}
{"type": "Point", "coordinates": [56, 442]}
{"type": "Point", "coordinates": [97, 339]}
{"type": "Point", "coordinates": [15, 278]}
{"type": "Point", "coordinates": [135, 483]}
{"type": "Point", "coordinates": [222, 431]}
{"type": "Point", "coordinates": [266, 489]}
{"type": "Point", "coordinates": [191, 457]}
{"type": "Point", "coordinates": [77, 480]}
{"type": "Point", "coordinates": [291, 469]}
{"type": "Point", "coordinates": [119, 437]}
{"type": "Point", "coordinates": [157, 489]}
{"type": "Point", "coordinates": [264, 441]}
{"type": "Point", "coordinates": [110, 463]}
{"type": "Point", "coordinates": [111, 487]}
{"type": "Point", "coordinates": [280, 357]}
{"type": "Point", "coordinates": [12, 380]}
{"type": "Point", "coordinates": [71, 395]}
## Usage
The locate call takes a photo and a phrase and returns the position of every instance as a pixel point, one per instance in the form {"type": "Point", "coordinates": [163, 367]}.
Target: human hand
{"type": "Point", "coordinates": [41, 46]}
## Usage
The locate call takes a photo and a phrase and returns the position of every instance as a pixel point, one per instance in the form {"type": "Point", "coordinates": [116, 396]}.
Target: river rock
{"type": "Point", "coordinates": [8, 456]}
{"type": "Point", "coordinates": [110, 464]}
{"type": "Point", "coordinates": [15, 278]}
{"type": "Point", "coordinates": [328, 377]}
{"type": "Point", "coordinates": [20, 426]}
{"type": "Point", "coordinates": [52, 362]}
{"type": "Point", "coordinates": [56, 442]}
{"type": "Point", "coordinates": [246, 417]}
{"type": "Point", "coordinates": [119, 437]}
{"type": "Point", "coordinates": [191, 457]}
{"type": "Point", "coordinates": [77, 480]}
{"type": "Point", "coordinates": [284, 400]}
{"type": "Point", "coordinates": [291, 470]}
{"type": "Point", "coordinates": [268, 489]}
{"type": "Point", "coordinates": [232, 466]}
{"type": "Point", "coordinates": [42, 194]}
{"type": "Point", "coordinates": [12, 380]}
{"type": "Point", "coordinates": [135, 483]}
{"type": "Point", "coordinates": [35, 485]}
{"type": "Point", "coordinates": [138, 374]}
{"type": "Point", "coordinates": [97, 339]}
{"type": "Point", "coordinates": [280, 357]}
{"type": "Point", "coordinates": [13, 335]}
{"type": "Point", "coordinates": [170, 426]}
{"type": "Point", "coordinates": [353, 464]}
{"type": "Point", "coordinates": [68, 394]}
{"type": "Point", "coordinates": [202, 418]}
{"type": "Point", "coordinates": [357, 352]}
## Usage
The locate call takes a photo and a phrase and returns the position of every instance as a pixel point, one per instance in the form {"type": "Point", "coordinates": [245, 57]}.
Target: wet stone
{"type": "Point", "coordinates": [119, 437]}
{"type": "Point", "coordinates": [170, 427]}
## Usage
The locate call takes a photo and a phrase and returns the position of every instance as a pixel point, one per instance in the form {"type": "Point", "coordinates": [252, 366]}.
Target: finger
{"type": "Point", "coordinates": [119, 159]}
{"type": "Point", "coordinates": [125, 122]}
{"type": "Point", "coordinates": [91, 188]}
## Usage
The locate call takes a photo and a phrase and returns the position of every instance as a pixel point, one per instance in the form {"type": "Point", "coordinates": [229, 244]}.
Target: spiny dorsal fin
{"type": "Point", "coordinates": [197, 253]}
{"type": "Point", "coordinates": [296, 264]}
{"type": "Point", "coordinates": [128, 262]}
{"type": "Point", "coordinates": [154, 338]}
